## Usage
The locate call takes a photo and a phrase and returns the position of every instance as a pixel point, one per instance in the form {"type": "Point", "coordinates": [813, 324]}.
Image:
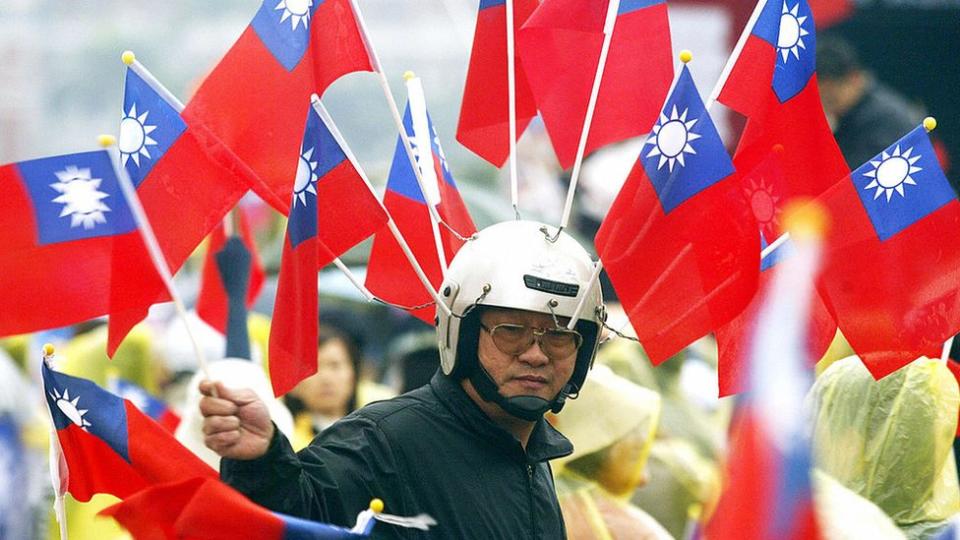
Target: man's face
{"type": "Point", "coordinates": [531, 372]}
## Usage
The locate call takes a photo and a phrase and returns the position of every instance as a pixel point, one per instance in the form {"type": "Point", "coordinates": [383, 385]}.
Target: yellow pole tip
{"type": "Point", "coordinates": [376, 505]}
{"type": "Point", "coordinates": [48, 349]}
{"type": "Point", "coordinates": [930, 123]}
{"type": "Point", "coordinates": [686, 56]}
{"type": "Point", "coordinates": [407, 75]}
{"type": "Point", "coordinates": [106, 141]}
{"type": "Point", "coordinates": [806, 220]}
{"type": "Point", "coordinates": [128, 57]}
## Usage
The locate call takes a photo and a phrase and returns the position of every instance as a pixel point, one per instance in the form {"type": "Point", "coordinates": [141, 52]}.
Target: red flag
{"type": "Point", "coordinates": [560, 47]}
{"type": "Point", "coordinates": [255, 98]}
{"type": "Point", "coordinates": [484, 113]}
{"type": "Point", "coordinates": [774, 84]}
{"type": "Point", "coordinates": [679, 243]}
{"type": "Point", "coordinates": [109, 445]}
{"type": "Point", "coordinates": [212, 300]}
{"type": "Point", "coordinates": [206, 509]}
{"type": "Point", "coordinates": [892, 270]}
{"type": "Point", "coordinates": [390, 275]}
{"type": "Point", "coordinates": [333, 209]}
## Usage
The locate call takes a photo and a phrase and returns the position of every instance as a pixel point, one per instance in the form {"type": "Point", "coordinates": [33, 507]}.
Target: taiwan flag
{"type": "Point", "coordinates": [484, 113]}
{"type": "Point", "coordinates": [147, 403]}
{"type": "Point", "coordinates": [109, 445]}
{"type": "Point", "coordinates": [680, 243]}
{"type": "Point", "coordinates": [389, 274]}
{"type": "Point", "coordinates": [560, 47]}
{"type": "Point", "coordinates": [774, 84]}
{"type": "Point", "coordinates": [204, 509]}
{"type": "Point", "coordinates": [333, 209]}
{"type": "Point", "coordinates": [767, 492]}
{"type": "Point", "coordinates": [892, 270]}
{"type": "Point", "coordinates": [212, 299]}
{"type": "Point", "coordinates": [255, 98]}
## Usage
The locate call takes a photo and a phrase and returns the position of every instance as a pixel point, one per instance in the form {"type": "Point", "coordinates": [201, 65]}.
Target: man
{"type": "Point", "coordinates": [866, 116]}
{"type": "Point", "coordinates": [471, 448]}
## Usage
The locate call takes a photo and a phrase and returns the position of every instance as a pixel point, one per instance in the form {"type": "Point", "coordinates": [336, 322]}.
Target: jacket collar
{"type": "Point", "coordinates": [545, 442]}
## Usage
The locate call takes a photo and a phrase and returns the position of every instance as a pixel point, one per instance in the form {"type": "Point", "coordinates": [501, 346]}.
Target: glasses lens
{"type": "Point", "coordinates": [512, 339]}
{"type": "Point", "coordinates": [560, 343]}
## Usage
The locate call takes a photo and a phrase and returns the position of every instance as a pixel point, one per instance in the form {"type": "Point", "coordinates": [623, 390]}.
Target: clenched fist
{"type": "Point", "coordinates": [236, 423]}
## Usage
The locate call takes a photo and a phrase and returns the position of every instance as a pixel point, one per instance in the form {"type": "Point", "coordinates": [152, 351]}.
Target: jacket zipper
{"type": "Point", "coordinates": [533, 519]}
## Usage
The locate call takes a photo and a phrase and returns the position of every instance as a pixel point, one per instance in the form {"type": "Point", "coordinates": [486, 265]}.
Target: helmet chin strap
{"type": "Point", "coordinates": [529, 408]}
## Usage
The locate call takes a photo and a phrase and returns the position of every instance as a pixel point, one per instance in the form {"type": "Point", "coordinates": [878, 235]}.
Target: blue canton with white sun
{"type": "Point", "coordinates": [148, 128]}
{"type": "Point", "coordinates": [787, 25]}
{"type": "Point", "coordinates": [284, 28]}
{"type": "Point", "coordinates": [902, 185]}
{"type": "Point", "coordinates": [684, 155]}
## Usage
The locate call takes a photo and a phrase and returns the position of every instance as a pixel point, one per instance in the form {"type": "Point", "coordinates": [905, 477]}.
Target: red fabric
{"type": "Point", "coordinates": [830, 12]}
{"type": "Point", "coordinates": [680, 275]}
{"type": "Point", "coordinates": [894, 300]}
{"type": "Point", "coordinates": [155, 457]}
{"type": "Point", "coordinates": [484, 113]}
{"type": "Point", "coordinates": [798, 128]}
{"type": "Point", "coordinates": [212, 300]}
{"type": "Point", "coordinates": [747, 508]}
{"type": "Point", "coordinates": [347, 213]}
{"type": "Point", "coordinates": [256, 106]}
{"type": "Point", "coordinates": [194, 509]}
{"type": "Point", "coordinates": [560, 47]}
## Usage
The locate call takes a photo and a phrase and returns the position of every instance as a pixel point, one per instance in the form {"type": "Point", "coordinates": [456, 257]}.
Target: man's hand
{"type": "Point", "coordinates": [236, 423]}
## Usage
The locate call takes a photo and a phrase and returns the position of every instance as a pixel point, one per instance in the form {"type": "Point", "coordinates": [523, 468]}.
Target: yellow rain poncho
{"type": "Point", "coordinates": [890, 441]}
{"type": "Point", "coordinates": [612, 425]}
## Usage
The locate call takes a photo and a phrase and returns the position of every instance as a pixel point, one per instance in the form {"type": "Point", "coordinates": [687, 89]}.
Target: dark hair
{"type": "Point", "coordinates": [326, 335]}
{"type": "Point", "coordinates": [836, 58]}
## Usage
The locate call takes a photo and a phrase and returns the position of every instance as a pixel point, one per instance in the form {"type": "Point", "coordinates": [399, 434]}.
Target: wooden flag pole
{"type": "Point", "coordinates": [608, 27]}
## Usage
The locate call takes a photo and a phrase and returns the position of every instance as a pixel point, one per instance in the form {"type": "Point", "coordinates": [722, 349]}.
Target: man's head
{"type": "Point", "coordinates": [840, 77]}
{"type": "Point", "coordinates": [512, 292]}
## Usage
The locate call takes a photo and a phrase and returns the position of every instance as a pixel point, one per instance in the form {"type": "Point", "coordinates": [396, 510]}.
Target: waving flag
{"type": "Point", "coordinates": [484, 113]}
{"type": "Point", "coordinates": [109, 445]}
{"type": "Point", "coordinates": [560, 47]}
{"type": "Point", "coordinates": [204, 509]}
{"type": "Point", "coordinates": [892, 271]}
{"type": "Point", "coordinates": [774, 84]}
{"type": "Point", "coordinates": [147, 403]}
{"type": "Point", "coordinates": [255, 98]}
{"type": "Point", "coordinates": [768, 493]}
{"type": "Point", "coordinates": [333, 209]}
{"type": "Point", "coordinates": [680, 243]}
{"type": "Point", "coordinates": [389, 274]}
{"type": "Point", "coordinates": [212, 299]}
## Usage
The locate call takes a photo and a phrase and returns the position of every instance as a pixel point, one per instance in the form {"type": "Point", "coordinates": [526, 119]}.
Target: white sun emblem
{"type": "Point", "coordinates": [306, 179]}
{"type": "Point", "coordinates": [81, 197]}
{"type": "Point", "coordinates": [891, 172]}
{"type": "Point", "coordinates": [69, 408]}
{"type": "Point", "coordinates": [298, 11]}
{"type": "Point", "coordinates": [135, 136]}
{"type": "Point", "coordinates": [763, 203]}
{"type": "Point", "coordinates": [671, 139]}
{"type": "Point", "coordinates": [792, 32]}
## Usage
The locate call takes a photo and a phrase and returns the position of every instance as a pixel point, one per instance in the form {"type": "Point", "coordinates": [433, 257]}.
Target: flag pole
{"type": "Point", "coordinates": [153, 246]}
{"type": "Point", "coordinates": [397, 119]}
{"type": "Point", "coordinates": [512, 110]}
{"type": "Point", "coordinates": [608, 26]}
{"type": "Point", "coordinates": [685, 57]}
{"type": "Point", "coordinates": [56, 458]}
{"type": "Point", "coordinates": [353, 279]}
{"type": "Point", "coordinates": [421, 129]}
{"type": "Point", "coordinates": [424, 280]}
{"type": "Point", "coordinates": [735, 55]}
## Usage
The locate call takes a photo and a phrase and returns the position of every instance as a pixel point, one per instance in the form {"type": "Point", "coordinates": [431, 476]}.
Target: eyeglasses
{"type": "Point", "coordinates": [515, 339]}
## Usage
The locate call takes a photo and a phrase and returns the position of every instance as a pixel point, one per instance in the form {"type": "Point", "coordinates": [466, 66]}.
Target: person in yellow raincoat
{"type": "Point", "coordinates": [890, 441]}
{"type": "Point", "coordinates": [612, 426]}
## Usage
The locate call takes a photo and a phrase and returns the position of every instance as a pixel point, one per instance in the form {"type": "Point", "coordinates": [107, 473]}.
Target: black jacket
{"type": "Point", "coordinates": [432, 450]}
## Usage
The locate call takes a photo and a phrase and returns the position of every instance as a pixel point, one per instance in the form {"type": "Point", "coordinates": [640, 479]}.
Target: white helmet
{"type": "Point", "coordinates": [515, 265]}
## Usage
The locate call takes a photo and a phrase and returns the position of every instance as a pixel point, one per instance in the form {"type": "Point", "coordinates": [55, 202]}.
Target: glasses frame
{"type": "Point", "coordinates": [538, 334]}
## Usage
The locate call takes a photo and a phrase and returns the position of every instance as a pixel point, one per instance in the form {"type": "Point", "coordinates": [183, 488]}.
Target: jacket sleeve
{"type": "Point", "coordinates": [331, 480]}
